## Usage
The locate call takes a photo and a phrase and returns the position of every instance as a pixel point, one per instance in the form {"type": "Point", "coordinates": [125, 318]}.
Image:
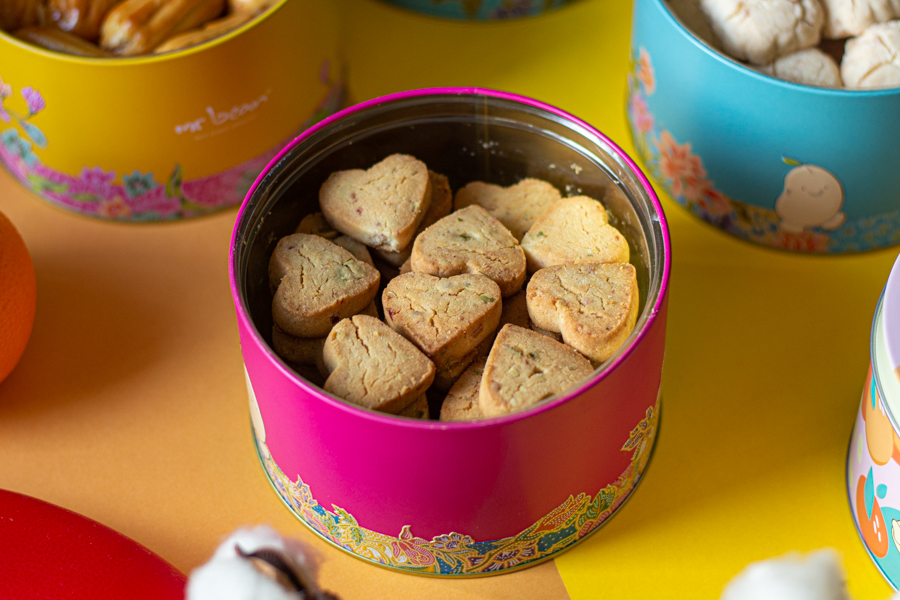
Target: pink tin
{"type": "Point", "coordinates": [455, 499]}
{"type": "Point", "coordinates": [873, 460]}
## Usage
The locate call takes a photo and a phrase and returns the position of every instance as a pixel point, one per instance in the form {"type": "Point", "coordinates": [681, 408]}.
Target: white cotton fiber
{"type": "Point", "coordinates": [228, 576]}
{"type": "Point", "coordinates": [816, 576]}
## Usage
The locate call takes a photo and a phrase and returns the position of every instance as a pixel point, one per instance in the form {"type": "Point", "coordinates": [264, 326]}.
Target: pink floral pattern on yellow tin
{"type": "Point", "coordinates": [460, 554]}
{"type": "Point", "coordinates": [134, 196]}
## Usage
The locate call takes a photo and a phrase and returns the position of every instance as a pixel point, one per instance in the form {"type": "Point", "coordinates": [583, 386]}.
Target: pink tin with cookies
{"type": "Point", "coordinates": [547, 419]}
{"type": "Point", "coordinates": [873, 460]}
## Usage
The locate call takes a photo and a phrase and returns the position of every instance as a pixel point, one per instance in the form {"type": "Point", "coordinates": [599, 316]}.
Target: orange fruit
{"type": "Point", "coordinates": [18, 296]}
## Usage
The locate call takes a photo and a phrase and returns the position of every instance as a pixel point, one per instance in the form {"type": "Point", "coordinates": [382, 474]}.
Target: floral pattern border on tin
{"type": "Point", "coordinates": [140, 196]}
{"type": "Point", "coordinates": [674, 167]}
{"type": "Point", "coordinates": [458, 554]}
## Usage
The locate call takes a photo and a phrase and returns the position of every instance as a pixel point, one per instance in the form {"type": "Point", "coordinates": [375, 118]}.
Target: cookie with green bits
{"type": "Point", "coordinates": [572, 231]}
{"type": "Point", "coordinates": [317, 284]}
{"type": "Point", "coordinates": [445, 317]}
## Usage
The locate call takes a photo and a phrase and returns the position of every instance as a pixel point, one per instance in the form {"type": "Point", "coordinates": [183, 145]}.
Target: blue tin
{"type": "Point", "coordinates": [795, 167]}
{"type": "Point", "coordinates": [479, 10]}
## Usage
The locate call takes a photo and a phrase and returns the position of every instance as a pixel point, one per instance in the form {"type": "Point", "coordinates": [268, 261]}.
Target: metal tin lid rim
{"type": "Point", "coordinates": [873, 357]}
{"type": "Point", "coordinates": [735, 65]}
{"type": "Point", "coordinates": [648, 318]}
{"type": "Point", "coordinates": [116, 61]}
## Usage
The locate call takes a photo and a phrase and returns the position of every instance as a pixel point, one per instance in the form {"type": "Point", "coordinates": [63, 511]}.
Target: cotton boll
{"type": "Point", "coordinates": [872, 60]}
{"type": "Point", "coordinates": [234, 579]}
{"type": "Point", "coordinates": [256, 564]}
{"type": "Point", "coordinates": [844, 18]}
{"type": "Point", "coordinates": [759, 31]}
{"type": "Point", "coordinates": [817, 576]}
{"type": "Point", "coordinates": [807, 67]}
{"type": "Point", "coordinates": [689, 13]}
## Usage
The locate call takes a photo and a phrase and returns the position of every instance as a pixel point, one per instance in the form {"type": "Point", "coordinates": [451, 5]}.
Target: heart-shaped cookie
{"type": "Point", "coordinates": [471, 241]}
{"type": "Point", "coordinates": [525, 368]}
{"type": "Point", "coordinates": [371, 365]}
{"type": "Point", "coordinates": [441, 205]}
{"type": "Point", "coordinates": [517, 206]}
{"type": "Point", "coordinates": [572, 231]}
{"type": "Point", "coordinates": [317, 284]}
{"type": "Point", "coordinates": [445, 318]}
{"type": "Point", "coordinates": [594, 306]}
{"type": "Point", "coordinates": [382, 206]}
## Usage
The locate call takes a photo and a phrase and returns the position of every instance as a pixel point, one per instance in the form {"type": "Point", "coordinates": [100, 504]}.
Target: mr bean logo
{"type": "Point", "coordinates": [216, 118]}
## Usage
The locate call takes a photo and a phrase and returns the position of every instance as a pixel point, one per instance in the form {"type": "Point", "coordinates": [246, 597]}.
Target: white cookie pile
{"type": "Point", "coordinates": [804, 41]}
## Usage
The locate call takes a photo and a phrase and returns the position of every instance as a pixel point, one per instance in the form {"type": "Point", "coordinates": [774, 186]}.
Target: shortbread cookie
{"type": "Point", "coordinates": [515, 311]}
{"type": "Point", "coordinates": [593, 306]}
{"type": "Point", "coordinates": [417, 410]}
{"type": "Point", "coordinates": [318, 283]}
{"type": "Point", "coordinates": [845, 18]}
{"type": "Point", "coordinates": [305, 351]}
{"type": "Point", "coordinates": [525, 368]}
{"type": "Point", "coordinates": [315, 224]}
{"type": "Point", "coordinates": [446, 377]}
{"type": "Point", "coordinates": [517, 206]}
{"type": "Point", "coordinates": [573, 230]}
{"type": "Point", "coordinates": [296, 350]}
{"type": "Point", "coordinates": [441, 205]}
{"type": "Point", "coordinates": [759, 31]}
{"type": "Point", "coordinates": [371, 365]}
{"type": "Point", "coordinates": [872, 60]}
{"type": "Point", "coordinates": [405, 267]}
{"type": "Point", "coordinates": [445, 318]}
{"type": "Point", "coordinates": [461, 403]}
{"type": "Point", "coordinates": [806, 67]}
{"type": "Point", "coordinates": [357, 249]}
{"type": "Point", "coordinates": [380, 207]}
{"type": "Point", "coordinates": [553, 335]}
{"type": "Point", "coordinates": [471, 241]}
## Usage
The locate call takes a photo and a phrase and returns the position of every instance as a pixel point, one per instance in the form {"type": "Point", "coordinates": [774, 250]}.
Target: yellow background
{"type": "Point", "coordinates": [129, 405]}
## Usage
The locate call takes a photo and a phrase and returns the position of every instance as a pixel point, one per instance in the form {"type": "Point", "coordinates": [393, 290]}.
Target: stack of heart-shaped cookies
{"type": "Point", "coordinates": [461, 337]}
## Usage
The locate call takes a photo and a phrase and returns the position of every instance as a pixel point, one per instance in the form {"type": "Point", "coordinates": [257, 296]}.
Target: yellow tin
{"type": "Point", "coordinates": [173, 135]}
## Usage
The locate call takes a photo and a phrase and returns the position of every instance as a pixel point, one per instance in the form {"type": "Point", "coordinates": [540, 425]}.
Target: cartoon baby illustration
{"type": "Point", "coordinates": [812, 197]}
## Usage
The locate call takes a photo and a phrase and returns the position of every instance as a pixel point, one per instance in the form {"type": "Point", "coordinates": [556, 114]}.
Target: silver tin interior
{"type": "Point", "coordinates": [466, 137]}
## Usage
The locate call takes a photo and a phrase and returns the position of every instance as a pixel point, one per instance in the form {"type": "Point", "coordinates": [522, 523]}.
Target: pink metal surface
{"type": "Point", "coordinates": [487, 479]}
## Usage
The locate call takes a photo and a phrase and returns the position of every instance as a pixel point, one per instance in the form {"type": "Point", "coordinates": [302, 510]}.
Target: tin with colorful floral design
{"type": "Point", "coordinates": [480, 10]}
{"type": "Point", "coordinates": [873, 460]}
{"type": "Point", "coordinates": [167, 136]}
{"type": "Point", "coordinates": [455, 498]}
{"type": "Point", "coordinates": [777, 163]}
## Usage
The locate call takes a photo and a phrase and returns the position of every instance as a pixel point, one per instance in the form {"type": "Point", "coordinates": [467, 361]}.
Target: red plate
{"type": "Point", "coordinates": [48, 552]}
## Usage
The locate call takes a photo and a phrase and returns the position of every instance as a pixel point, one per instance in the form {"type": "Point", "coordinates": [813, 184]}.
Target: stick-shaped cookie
{"type": "Point", "coordinates": [517, 206]}
{"type": "Point", "coordinates": [371, 365]}
{"type": "Point", "coordinates": [318, 283]}
{"type": "Point", "coordinates": [382, 206]}
{"type": "Point", "coordinates": [441, 205]}
{"type": "Point", "coordinates": [573, 230]}
{"type": "Point", "coordinates": [525, 368]}
{"type": "Point", "coordinates": [445, 318]}
{"type": "Point", "coordinates": [594, 306]}
{"type": "Point", "coordinates": [471, 241]}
